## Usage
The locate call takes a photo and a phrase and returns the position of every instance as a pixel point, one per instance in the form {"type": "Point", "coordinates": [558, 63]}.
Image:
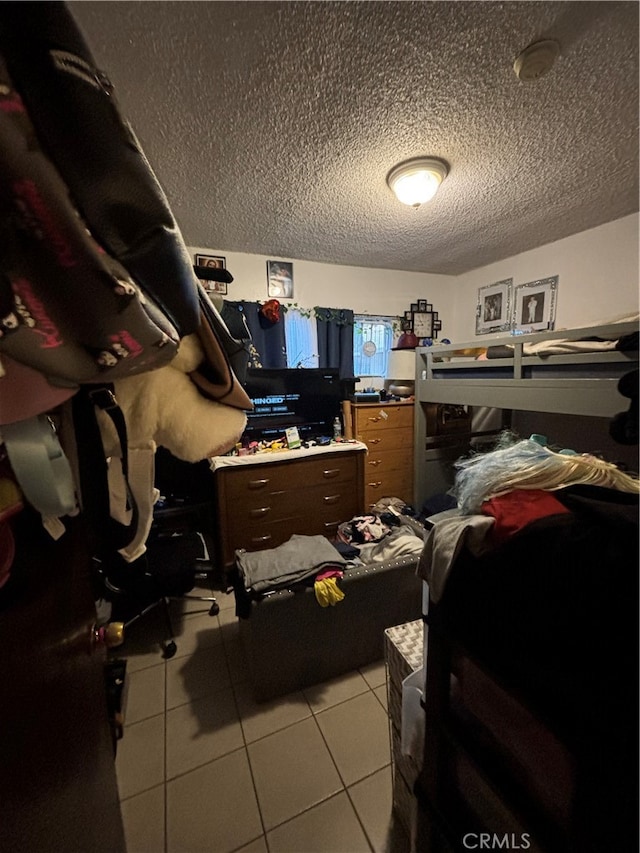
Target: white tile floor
{"type": "Point", "coordinates": [202, 767]}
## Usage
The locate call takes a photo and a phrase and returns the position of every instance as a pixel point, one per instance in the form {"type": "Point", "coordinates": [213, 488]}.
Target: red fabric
{"type": "Point", "coordinates": [329, 573]}
{"type": "Point", "coordinates": [271, 310]}
{"type": "Point", "coordinates": [514, 510]}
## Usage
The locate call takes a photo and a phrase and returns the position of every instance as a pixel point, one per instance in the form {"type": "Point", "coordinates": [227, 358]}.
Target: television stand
{"type": "Point", "coordinates": [262, 500]}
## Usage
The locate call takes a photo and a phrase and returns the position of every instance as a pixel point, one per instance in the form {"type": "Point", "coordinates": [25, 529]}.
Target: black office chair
{"type": "Point", "coordinates": [166, 572]}
{"type": "Point", "coordinates": [178, 553]}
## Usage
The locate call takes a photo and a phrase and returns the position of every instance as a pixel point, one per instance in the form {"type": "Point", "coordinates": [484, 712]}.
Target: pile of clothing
{"type": "Point", "coordinates": [389, 531]}
{"type": "Point", "coordinates": [301, 560]}
{"type": "Point", "coordinates": [500, 493]}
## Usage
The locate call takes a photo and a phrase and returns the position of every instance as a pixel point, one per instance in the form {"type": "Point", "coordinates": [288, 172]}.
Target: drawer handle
{"type": "Point", "coordinates": [331, 525]}
{"type": "Point", "coordinates": [258, 539]}
{"type": "Point", "coordinates": [374, 441]}
{"type": "Point", "coordinates": [258, 484]}
{"type": "Point", "coordinates": [331, 499]}
{"type": "Point", "coordinates": [374, 462]}
{"type": "Point", "coordinates": [329, 473]}
{"type": "Point", "coordinates": [260, 511]}
{"type": "Point", "coordinates": [375, 485]}
{"type": "Point", "coordinates": [374, 420]}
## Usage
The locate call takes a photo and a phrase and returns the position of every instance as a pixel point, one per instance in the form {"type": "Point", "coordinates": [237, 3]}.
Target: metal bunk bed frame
{"type": "Point", "coordinates": [580, 383]}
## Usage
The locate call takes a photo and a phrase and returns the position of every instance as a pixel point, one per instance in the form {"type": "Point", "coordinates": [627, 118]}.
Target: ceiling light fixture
{"type": "Point", "coordinates": [536, 59]}
{"type": "Point", "coordinates": [416, 181]}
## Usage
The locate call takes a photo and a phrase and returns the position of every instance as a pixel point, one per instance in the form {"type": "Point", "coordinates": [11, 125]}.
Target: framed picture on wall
{"type": "Point", "coordinates": [279, 279]}
{"type": "Point", "coordinates": [534, 305]}
{"type": "Point", "coordinates": [212, 262]}
{"type": "Point", "coordinates": [493, 311]}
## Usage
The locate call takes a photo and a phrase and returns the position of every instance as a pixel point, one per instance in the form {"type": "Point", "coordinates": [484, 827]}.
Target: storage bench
{"type": "Point", "coordinates": [291, 642]}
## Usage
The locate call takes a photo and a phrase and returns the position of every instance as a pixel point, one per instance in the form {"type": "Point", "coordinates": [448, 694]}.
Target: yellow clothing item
{"type": "Point", "coordinates": [328, 592]}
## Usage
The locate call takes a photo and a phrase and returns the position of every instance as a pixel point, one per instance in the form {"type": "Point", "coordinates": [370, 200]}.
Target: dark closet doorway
{"type": "Point", "coordinates": [57, 779]}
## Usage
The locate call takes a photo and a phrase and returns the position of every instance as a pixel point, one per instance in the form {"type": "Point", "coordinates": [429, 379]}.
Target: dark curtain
{"type": "Point", "coordinates": [335, 339]}
{"type": "Point", "coordinates": [267, 347]}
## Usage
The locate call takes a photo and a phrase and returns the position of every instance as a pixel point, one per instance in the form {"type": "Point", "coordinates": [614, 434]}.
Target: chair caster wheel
{"type": "Point", "coordinates": [214, 609]}
{"type": "Point", "coordinates": [169, 650]}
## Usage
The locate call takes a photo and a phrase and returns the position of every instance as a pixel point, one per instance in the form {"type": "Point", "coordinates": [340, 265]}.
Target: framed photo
{"type": "Point", "coordinates": [217, 262]}
{"type": "Point", "coordinates": [423, 306]}
{"type": "Point", "coordinates": [279, 279]}
{"type": "Point", "coordinates": [423, 324]}
{"type": "Point", "coordinates": [534, 305]}
{"type": "Point", "coordinates": [493, 312]}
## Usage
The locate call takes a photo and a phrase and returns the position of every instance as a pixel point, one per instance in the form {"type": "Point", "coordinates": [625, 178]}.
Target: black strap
{"type": "Point", "coordinates": [212, 274]}
{"type": "Point", "coordinates": [108, 534]}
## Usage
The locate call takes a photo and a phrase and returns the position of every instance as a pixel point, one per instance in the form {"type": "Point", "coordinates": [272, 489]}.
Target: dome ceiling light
{"type": "Point", "coordinates": [536, 59]}
{"type": "Point", "coordinates": [416, 181]}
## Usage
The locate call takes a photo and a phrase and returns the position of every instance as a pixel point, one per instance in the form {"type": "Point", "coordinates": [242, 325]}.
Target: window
{"type": "Point", "coordinates": [301, 336]}
{"type": "Point", "coordinates": [372, 340]}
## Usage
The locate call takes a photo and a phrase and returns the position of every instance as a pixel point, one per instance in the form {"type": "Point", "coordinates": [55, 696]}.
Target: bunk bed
{"type": "Point", "coordinates": [570, 372]}
{"type": "Point", "coordinates": [581, 382]}
{"type": "Point", "coordinates": [530, 691]}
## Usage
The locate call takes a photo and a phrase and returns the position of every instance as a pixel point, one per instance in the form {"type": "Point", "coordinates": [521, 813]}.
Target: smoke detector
{"type": "Point", "coordinates": [536, 60]}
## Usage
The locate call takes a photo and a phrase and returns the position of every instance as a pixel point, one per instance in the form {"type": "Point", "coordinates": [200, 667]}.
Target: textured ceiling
{"type": "Point", "coordinates": [272, 125]}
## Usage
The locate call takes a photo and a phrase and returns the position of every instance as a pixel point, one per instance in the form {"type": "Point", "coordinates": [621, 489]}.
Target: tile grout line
{"type": "Point", "coordinates": [357, 814]}
{"type": "Point", "coordinates": [324, 740]}
{"type": "Point", "coordinates": [345, 790]}
{"type": "Point", "coordinates": [244, 739]}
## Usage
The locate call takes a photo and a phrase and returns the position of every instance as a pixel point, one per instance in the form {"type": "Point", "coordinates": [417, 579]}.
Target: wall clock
{"type": "Point", "coordinates": [423, 320]}
{"type": "Point", "coordinates": [423, 324]}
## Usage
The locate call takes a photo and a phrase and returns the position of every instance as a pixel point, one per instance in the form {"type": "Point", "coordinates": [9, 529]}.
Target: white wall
{"type": "Point", "coordinates": [366, 291]}
{"type": "Point", "coordinates": [598, 278]}
{"type": "Point", "coordinates": [598, 281]}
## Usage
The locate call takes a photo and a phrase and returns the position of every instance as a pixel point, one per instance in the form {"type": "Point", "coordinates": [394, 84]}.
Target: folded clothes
{"type": "Point", "coordinates": [297, 559]}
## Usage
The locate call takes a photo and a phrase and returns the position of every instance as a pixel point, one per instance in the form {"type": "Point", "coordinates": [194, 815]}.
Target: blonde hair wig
{"type": "Point", "coordinates": [528, 465]}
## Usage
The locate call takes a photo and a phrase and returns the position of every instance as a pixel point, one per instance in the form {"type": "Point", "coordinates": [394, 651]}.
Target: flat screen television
{"type": "Point", "coordinates": [306, 398]}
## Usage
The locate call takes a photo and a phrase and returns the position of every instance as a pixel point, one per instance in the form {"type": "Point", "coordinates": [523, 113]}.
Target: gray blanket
{"type": "Point", "coordinates": [300, 558]}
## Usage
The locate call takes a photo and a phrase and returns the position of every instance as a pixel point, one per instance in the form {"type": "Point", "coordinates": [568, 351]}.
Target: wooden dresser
{"type": "Point", "coordinates": [260, 504]}
{"type": "Point", "coordinates": [387, 430]}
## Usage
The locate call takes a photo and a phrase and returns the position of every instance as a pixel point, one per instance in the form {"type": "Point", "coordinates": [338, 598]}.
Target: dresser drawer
{"type": "Point", "coordinates": [373, 420]}
{"type": "Point", "coordinates": [388, 439]}
{"type": "Point", "coordinates": [266, 505]}
{"type": "Point", "coordinates": [266, 479]}
{"type": "Point", "coordinates": [314, 502]}
{"type": "Point", "coordinates": [328, 513]}
{"type": "Point", "coordinates": [256, 538]}
{"type": "Point", "coordinates": [385, 461]}
{"type": "Point", "coordinates": [396, 484]}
